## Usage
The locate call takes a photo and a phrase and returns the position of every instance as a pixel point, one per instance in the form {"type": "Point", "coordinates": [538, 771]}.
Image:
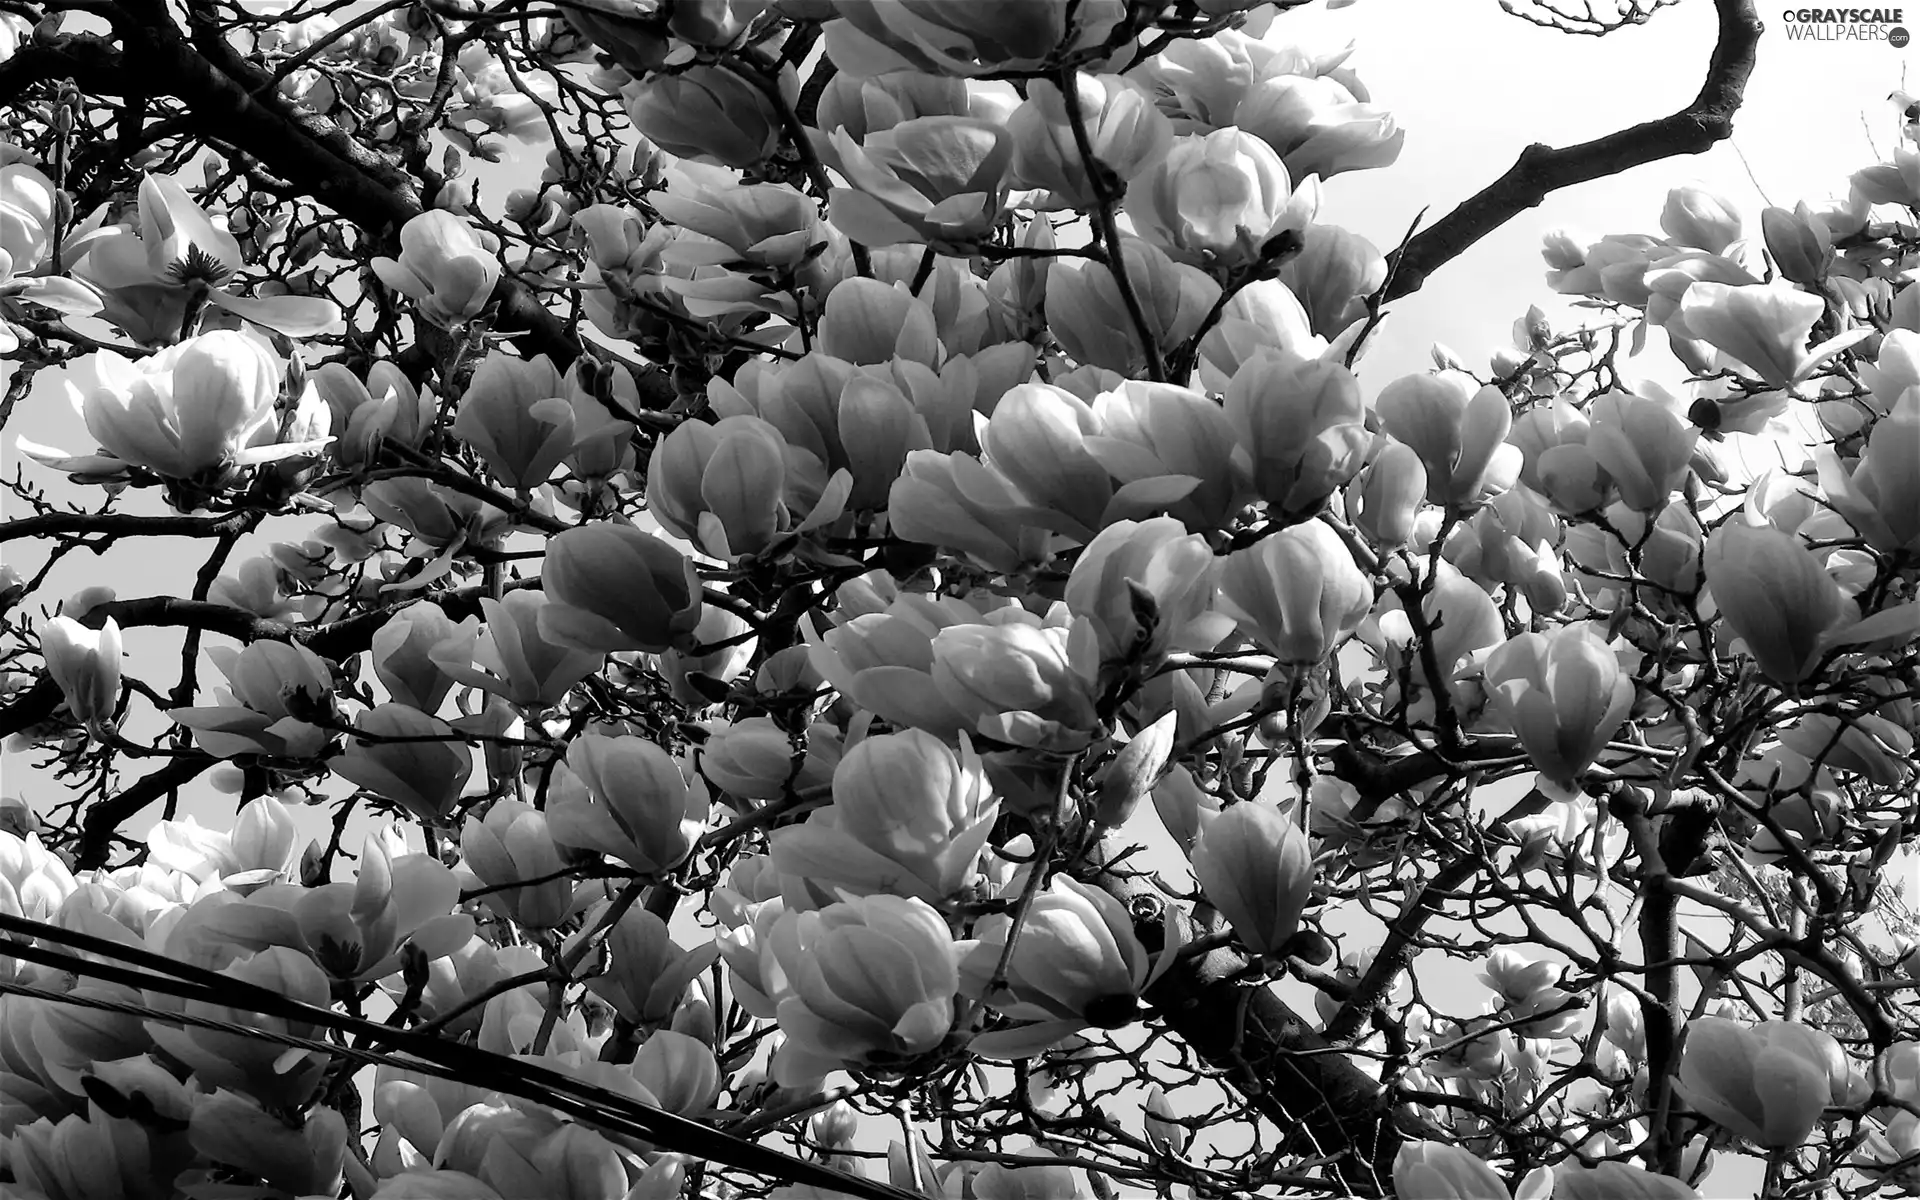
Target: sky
{"type": "Point", "coordinates": [1472, 86]}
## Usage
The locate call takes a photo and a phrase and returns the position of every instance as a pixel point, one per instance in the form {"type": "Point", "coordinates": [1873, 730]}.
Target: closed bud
{"type": "Point", "coordinates": [1254, 864]}
{"type": "Point", "coordinates": [1386, 496]}
{"type": "Point", "coordinates": [85, 664]}
{"type": "Point", "coordinates": [1767, 1083]}
{"type": "Point", "coordinates": [613, 587]}
{"type": "Point", "coordinates": [705, 112]}
{"type": "Point", "coordinates": [1776, 597]}
{"type": "Point", "coordinates": [1800, 244]}
{"type": "Point", "coordinates": [1134, 771]}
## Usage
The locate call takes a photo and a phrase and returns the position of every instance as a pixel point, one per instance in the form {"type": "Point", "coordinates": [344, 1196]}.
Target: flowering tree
{"type": "Point", "coordinates": [858, 636]}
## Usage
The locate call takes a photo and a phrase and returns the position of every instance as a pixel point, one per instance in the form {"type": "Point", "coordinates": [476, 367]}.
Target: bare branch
{"type": "Point", "coordinates": [1541, 169]}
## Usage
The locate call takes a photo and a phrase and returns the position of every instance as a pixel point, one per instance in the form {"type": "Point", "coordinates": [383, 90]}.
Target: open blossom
{"type": "Point", "coordinates": [1302, 424]}
{"type": "Point", "coordinates": [355, 931]}
{"type": "Point", "coordinates": [1076, 963]}
{"type": "Point", "coordinates": [1123, 128]}
{"type": "Point", "coordinates": [909, 816]}
{"type": "Point", "coordinates": [1218, 200]}
{"type": "Point", "coordinates": [151, 276]}
{"type": "Point", "coordinates": [442, 268]}
{"type": "Point", "coordinates": [191, 411]}
{"type": "Point", "coordinates": [516, 417]}
{"type": "Point", "coordinates": [1459, 430]}
{"type": "Point", "coordinates": [934, 181]}
{"type": "Point", "coordinates": [868, 982]}
{"type": "Point", "coordinates": [273, 688]}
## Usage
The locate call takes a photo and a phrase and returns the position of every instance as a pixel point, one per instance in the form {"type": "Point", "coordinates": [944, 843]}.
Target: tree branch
{"type": "Point", "coordinates": [1541, 169]}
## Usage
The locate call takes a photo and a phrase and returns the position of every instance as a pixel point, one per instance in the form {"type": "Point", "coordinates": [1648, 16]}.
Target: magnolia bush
{"type": "Point", "coordinates": [856, 632]}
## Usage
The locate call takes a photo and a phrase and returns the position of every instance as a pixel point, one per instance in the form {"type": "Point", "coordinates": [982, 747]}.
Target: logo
{"type": "Point", "coordinates": [1847, 25]}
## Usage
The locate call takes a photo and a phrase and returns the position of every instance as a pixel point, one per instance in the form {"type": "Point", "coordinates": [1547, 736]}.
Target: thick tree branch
{"type": "Point", "coordinates": [102, 821]}
{"type": "Point", "coordinates": [126, 525]}
{"type": "Point", "coordinates": [1541, 169]}
{"type": "Point", "coordinates": [1310, 1090]}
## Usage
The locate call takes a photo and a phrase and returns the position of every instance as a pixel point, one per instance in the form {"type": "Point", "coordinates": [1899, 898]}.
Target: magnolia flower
{"type": "Point", "coordinates": [516, 661]}
{"type": "Point", "coordinates": [1768, 1083]}
{"type": "Point", "coordinates": [1298, 593]}
{"type": "Point", "coordinates": [516, 416]}
{"type": "Point", "coordinates": [1638, 445]}
{"type": "Point", "coordinates": [511, 853]}
{"type": "Point", "coordinates": [1458, 430]}
{"type": "Point", "coordinates": [1616, 1181]}
{"type": "Point", "coordinates": [863, 983]}
{"type": "Point", "coordinates": [442, 268]}
{"type": "Point", "coordinates": [409, 758]}
{"type": "Point", "coordinates": [868, 322]}
{"type": "Point", "coordinates": [273, 688]}
{"type": "Point", "coordinates": [1880, 496]}
{"type": "Point", "coordinates": [195, 410]}
{"type": "Point", "coordinates": [933, 181]}
{"type": "Point", "coordinates": [647, 972]}
{"type": "Point", "coordinates": [1219, 200]}
{"type": "Point", "coordinates": [1124, 131]}
{"type": "Point", "coordinates": [33, 882]}
{"type": "Point", "coordinates": [254, 1066]}
{"type": "Point", "coordinates": [262, 848]}
{"type": "Point", "coordinates": [1158, 559]}
{"type": "Point", "coordinates": [1157, 431]}
{"type": "Point", "coordinates": [356, 931]}
{"type": "Point", "coordinates": [1076, 963]}
{"type": "Point", "coordinates": [1776, 597]}
{"type": "Point", "coordinates": [1320, 124]}
{"type": "Point", "coordinates": [872, 103]}
{"type": "Point", "coordinates": [708, 111]}
{"type": "Point", "coordinates": [85, 664]}
{"type": "Point", "coordinates": [1436, 1171]}
{"type": "Point", "coordinates": [612, 587]}
{"type": "Point", "coordinates": [626, 797]}
{"type": "Point", "coordinates": [1088, 315]}
{"type": "Point", "coordinates": [965, 40]}
{"type": "Point", "coordinates": [1563, 694]}
{"type": "Point", "coordinates": [152, 278]}
{"type": "Point", "coordinates": [1703, 220]}
{"type": "Point", "coordinates": [909, 817]}
{"type": "Point", "coordinates": [304, 1156]}
{"type": "Point", "coordinates": [732, 488]}
{"type": "Point", "coordinates": [29, 202]}
{"type": "Point", "coordinates": [1302, 424]}
{"type": "Point", "coordinates": [1019, 679]}
{"type": "Point", "coordinates": [1384, 500]}
{"type": "Point", "coordinates": [1254, 864]}
{"type": "Point", "coordinates": [1761, 328]}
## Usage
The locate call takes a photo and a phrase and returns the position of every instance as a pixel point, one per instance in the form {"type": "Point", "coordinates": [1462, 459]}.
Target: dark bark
{"type": "Point", "coordinates": [1542, 169]}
